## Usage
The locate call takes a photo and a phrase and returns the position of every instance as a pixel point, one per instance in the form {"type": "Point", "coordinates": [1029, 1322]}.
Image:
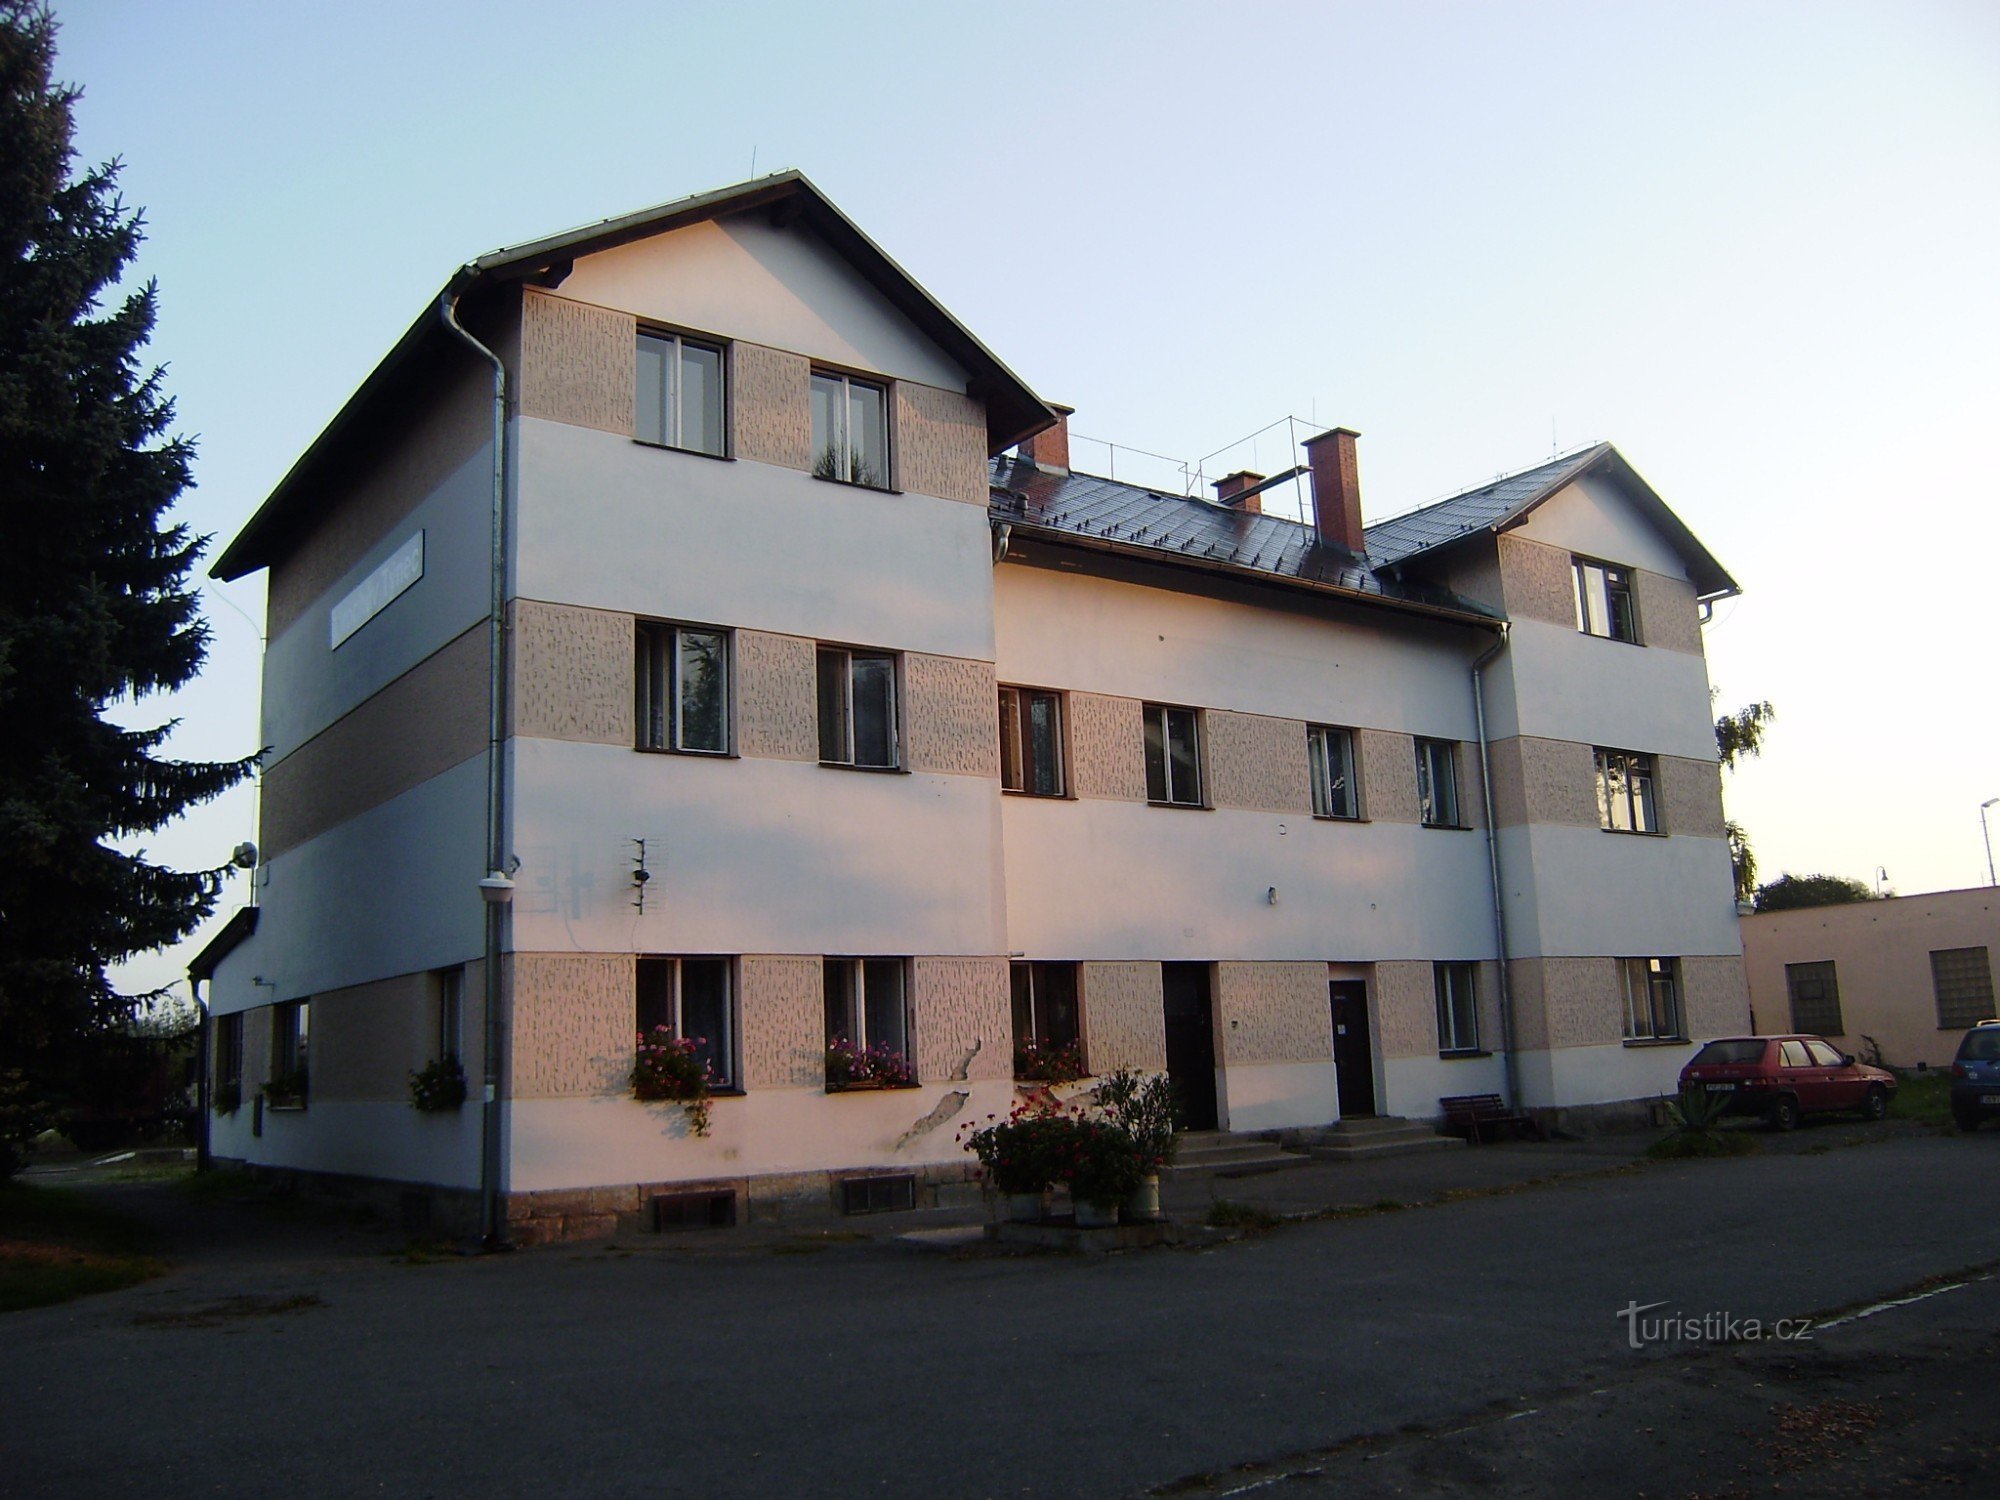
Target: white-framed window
{"type": "Point", "coordinates": [1625, 799]}
{"type": "Point", "coordinates": [1962, 982]}
{"type": "Point", "coordinates": [1330, 753]}
{"type": "Point", "coordinates": [1457, 989]}
{"type": "Point", "coordinates": [682, 684]}
{"type": "Point", "coordinates": [1031, 742]}
{"type": "Point", "coordinates": [857, 708]}
{"type": "Point", "coordinates": [1047, 1018]}
{"type": "Point", "coordinates": [1652, 999]}
{"type": "Point", "coordinates": [850, 429]}
{"type": "Point", "coordinates": [1604, 601]}
{"type": "Point", "coordinates": [1437, 783]}
{"type": "Point", "coordinates": [1814, 990]}
{"type": "Point", "coordinates": [695, 1000]}
{"type": "Point", "coordinates": [449, 1042]}
{"type": "Point", "coordinates": [868, 1011]}
{"type": "Point", "coordinates": [1173, 756]}
{"type": "Point", "coordinates": [678, 393]}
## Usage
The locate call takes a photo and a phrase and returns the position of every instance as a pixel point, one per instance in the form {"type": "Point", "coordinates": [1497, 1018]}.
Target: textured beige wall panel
{"type": "Point", "coordinates": [1582, 1004]}
{"type": "Point", "coordinates": [784, 1022]}
{"type": "Point", "coordinates": [1258, 762]}
{"type": "Point", "coordinates": [964, 1021]}
{"type": "Point", "coordinates": [770, 397]}
{"type": "Point", "coordinates": [1124, 1016]}
{"type": "Point", "coordinates": [1690, 796]}
{"type": "Point", "coordinates": [1471, 795]}
{"type": "Point", "coordinates": [1474, 571]}
{"type": "Point", "coordinates": [1715, 996]}
{"type": "Point", "coordinates": [1406, 1009]}
{"type": "Point", "coordinates": [1531, 1014]}
{"type": "Point", "coordinates": [777, 713]}
{"type": "Point", "coordinates": [573, 674]}
{"type": "Point", "coordinates": [1539, 581]}
{"type": "Point", "coordinates": [953, 715]}
{"type": "Point", "coordinates": [257, 1050]}
{"type": "Point", "coordinates": [1487, 986]}
{"type": "Point", "coordinates": [1107, 738]}
{"type": "Point", "coordinates": [366, 1039]}
{"type": "Point", "coordinates": [1668, 615]}
{"type": "Point", "coordinates": [425, 722]}
{"type": "Point", "coordinates": [1388, 775]}
{"type": "Point", "coordinates": [1544, 781]}
{"type": "Point", "coordinates": [574, 1024]}
{"type": "Point", "coordinates": [578, 363]}
{"type": "Point", "coordinates": [940, 443]}
{"type": "Point", "coordinates": [1273, 1013]}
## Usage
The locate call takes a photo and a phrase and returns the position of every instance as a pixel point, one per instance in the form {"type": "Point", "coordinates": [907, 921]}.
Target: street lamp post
{"type": "Point", "coordinates": [1987, 835]}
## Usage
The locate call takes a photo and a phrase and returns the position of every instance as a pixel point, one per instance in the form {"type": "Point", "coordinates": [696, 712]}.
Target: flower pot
{"type": "Point", "coordinates": [1144, 1204]}
{"type": "Point", "coordinates": [1093, 1216]}
{"type": "Point", "coordinates": [1027, 1208]}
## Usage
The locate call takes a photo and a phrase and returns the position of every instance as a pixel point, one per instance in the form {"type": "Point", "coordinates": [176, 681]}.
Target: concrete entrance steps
{"type": "Point", "coordinates": [1228, 1154]}
{"type": "Point", "coordinates": [1367, 1138]}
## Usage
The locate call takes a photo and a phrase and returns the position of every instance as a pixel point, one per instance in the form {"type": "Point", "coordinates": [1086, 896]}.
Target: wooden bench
{"type": "Point", "coordinates": [1474, 1115]}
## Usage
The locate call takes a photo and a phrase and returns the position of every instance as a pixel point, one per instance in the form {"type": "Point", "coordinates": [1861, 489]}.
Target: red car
{"type": "Point", "coordinates": [1784, 1078]}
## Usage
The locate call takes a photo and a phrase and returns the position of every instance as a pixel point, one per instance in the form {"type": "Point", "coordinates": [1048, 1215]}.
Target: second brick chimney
{"type": "Point", "coordinates": [1336, 482]}
{"type": "Point", "coordinates": [1049, 448]}
{"type": "Point", "coordinates": [1230, 486]}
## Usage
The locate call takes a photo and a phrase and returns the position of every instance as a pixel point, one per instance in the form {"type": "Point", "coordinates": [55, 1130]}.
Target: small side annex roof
{"type": "Point", "coordinates": [1013, 411]}
{"type": "Point", "coordinates": [1507, 501]}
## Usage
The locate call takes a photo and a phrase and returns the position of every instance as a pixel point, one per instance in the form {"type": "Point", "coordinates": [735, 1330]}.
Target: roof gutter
{"type": "Point", "coordinates": [497, 886]}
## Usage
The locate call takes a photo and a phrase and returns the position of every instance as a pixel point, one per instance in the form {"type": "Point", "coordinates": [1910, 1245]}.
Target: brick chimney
{"type": "Point", "coordinates": [1049, 449]}
{"type": "Point", "coordinates": [1336, 482]}
{"type": "Point", "coordinates": [1230, 486]}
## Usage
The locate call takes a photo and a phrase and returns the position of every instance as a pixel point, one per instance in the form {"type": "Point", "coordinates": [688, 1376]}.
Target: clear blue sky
{"type": "Point", "coordinates": [1753, 244]}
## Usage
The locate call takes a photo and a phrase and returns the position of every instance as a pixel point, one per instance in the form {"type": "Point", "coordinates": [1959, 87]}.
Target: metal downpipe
{"type": "Point", "coordinates": [1508, 1061]}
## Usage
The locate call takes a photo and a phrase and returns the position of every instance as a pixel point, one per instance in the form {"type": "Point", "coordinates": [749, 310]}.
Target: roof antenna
{"type": "Point", "coordinates": [753, 161]}
{"type": "Point", "coordinates": [1553, 449]}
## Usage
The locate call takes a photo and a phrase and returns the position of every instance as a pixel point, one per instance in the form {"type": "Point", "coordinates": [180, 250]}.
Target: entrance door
{"type": "Point", "coordinates": [1190, 1042]}
{"type": "Point", "coordinates": [1353, 1058]}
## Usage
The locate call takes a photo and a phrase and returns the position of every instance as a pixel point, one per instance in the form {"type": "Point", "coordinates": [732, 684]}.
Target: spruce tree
{"type": "Point", "coordinates": [95, 607]}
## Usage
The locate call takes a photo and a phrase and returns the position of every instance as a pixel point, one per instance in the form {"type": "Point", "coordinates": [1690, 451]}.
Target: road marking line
{"type": "Point", "coordinates": [1880, 1307]}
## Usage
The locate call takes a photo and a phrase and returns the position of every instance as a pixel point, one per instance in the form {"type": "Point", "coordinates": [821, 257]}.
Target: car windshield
{"type": "Point", "coordinates": [1743, 1049]}
{"type": "Point", "coordinates": [1982, 1045]}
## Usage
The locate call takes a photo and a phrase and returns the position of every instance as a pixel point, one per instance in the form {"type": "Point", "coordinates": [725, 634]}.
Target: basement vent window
{"type": "Point", "coordinates": [878, 1195]}
{"type": "Point", "coordinates": [711, 1210]}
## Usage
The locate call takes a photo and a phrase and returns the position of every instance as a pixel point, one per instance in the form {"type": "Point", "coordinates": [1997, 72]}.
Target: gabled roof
{"type": "Point", "coordinates": [1013, 411]}
{"type": "Point", "coordinates": [1507, 502]}
{"type": "Point", "coordinates": [1183, 531]}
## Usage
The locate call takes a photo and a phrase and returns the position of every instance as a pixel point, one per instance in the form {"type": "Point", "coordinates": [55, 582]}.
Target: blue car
{"type": "Point", "coordinates": [1975, 1077]}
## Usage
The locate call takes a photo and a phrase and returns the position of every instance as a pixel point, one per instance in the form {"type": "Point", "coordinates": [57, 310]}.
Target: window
{"type": "Point", "coordinates": [683, 688]}
{"type": "Point", "coordinates": [1625, 792]}
{"type": "Point", "coordinates": [1824, 1056]}
{"type": "Point", "coordinates": [1031, 748]}
{"type": "Point", "coordinates": [850, 430]}
{"type": "Point", "coordinates": [1815, 993]}
{"type": "Point", "coordinates": [1173, 756]}
{"type": "Point", "coordinates": [1437, 783]}
{"type": "Point", "coordinates": [1331, 755]}
{"type": "Point", "coordinates": [291, 1030]}
{"type": "Point", "coordinates": [857, 708]}
{"type": "Point", "coordinates": [228, 1084]}
{"type": "Point", "coordinates": [1045, 1019]}
{"type": "Point", "coordinates": [868, 1015]}
{"type": "Point", "coordinates": [1457, 1007]}
{"type": "Point", "coordinates": [692, 998]}
{"type": "Point", "coordinates": [1652, 999]}
{"type": "Point", "coordinates": [1604, 601]}
{"type": "Point", "coordinates": [1962, 980]}
{"type": "Point", "coordinates": [678, 393]}
{"type": "Point", "coordinates": [450, 1039]}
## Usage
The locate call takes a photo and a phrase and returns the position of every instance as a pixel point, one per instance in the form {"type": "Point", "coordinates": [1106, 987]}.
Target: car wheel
{"type": "Point", "coordinates": [1875, 1103]}
{"type": "Point", "coordinates": [1785, 1114]}
{"type": "Point", "coordinates": [1966, 1119]}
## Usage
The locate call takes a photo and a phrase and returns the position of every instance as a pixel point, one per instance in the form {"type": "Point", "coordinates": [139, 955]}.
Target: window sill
{"type": "Point", "coordinates": [1050, 1083]}
{"type": "Point", "coordinates": [696, 754]}
{"type": "Point", "coordinates": [1635, 833]}
{"type": "Point", "coordinates": [1656, 1041]}
{"type": "Point", "coordinates": [1610, 640]}
{"type": "Point", "coordinates": [1457, 1054]}
{"type": "Point", "coordinates": [856, 484]}
{"type": "Point", "coordinates": [1448, 827]}
{"type": "Point", "coordinates": [691, 452]}
{"type": "Point", "coordinates": [848, 765]}
{"type": "Point", "coordinates": [1019, 791]}
{"type": "Point", "coordinates": [1182, 806]}
{"type": "Point", "coordinates": [1338, 818]}
{"type": "Point", "coordinates": [284, 1106]}
{"type": "Point", "coordinates": [869, 1087]}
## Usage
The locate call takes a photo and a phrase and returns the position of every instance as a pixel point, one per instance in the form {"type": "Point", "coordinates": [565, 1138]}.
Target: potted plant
{"type": "Point", "coordinates": [1144, 1106]}
{"type": "Point", "coordinates": [1022, 1157]}
{"type": "Point", "coordinates": [850, 1068]}
{"type": "Point", "coordinates": [287, 1090]}
{"type": "Point", "coordinates": [228, 1098]}
{"type": "Point", "coordinates": [438, 1086]}
{"type": "Point", "coordinates": [666, 1067]}
{"type": "Point", "coordinates": [1048, 1065]}
{"type": "Point", "coordinates": [1107, 1172]}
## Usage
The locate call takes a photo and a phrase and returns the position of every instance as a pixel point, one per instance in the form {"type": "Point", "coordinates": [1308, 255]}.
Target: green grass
{"type": "Point", "coordinates": [1923, 1097]}
{"type": "Point", "coordinates": [55, 1246]}
{"type": "Point", "coordinates": [1224, 1213]}
{"type": "Point", "coordinates": [1691, 1145]}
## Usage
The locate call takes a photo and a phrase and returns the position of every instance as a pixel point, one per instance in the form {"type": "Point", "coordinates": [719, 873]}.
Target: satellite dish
{"type": "Point", "coordinates": [244, 856]}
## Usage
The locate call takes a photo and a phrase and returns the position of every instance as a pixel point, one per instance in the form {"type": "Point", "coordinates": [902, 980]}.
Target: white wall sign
{"type": "Point", "coordinates": [379, 589]}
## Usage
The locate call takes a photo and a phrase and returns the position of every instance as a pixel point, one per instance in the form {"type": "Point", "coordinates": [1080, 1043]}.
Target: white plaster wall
{"type": "Point", "coordinates": [1598, 894]}
{"type": "Point", "coordinates": [741, 278]}
{"type": "Point", "coordinates": [750, 856]}
{"type": "Point", "coordinates": [1557, 683]}
{"type": "Point", "coordinates": [1412, 1086]}
{"type": "Point", "coordinates": [307, 685]}
{"type": "Point", "coordinates": [1064, 630]}
{"type": "Point", "coordinates": [562, 1143]}
{"type": "Point", "coordinates": [378, 1139]}
{"type": "Point", "coordinates": [613, 524]}
{"type": "Point", "coordinates": [393, 891]}
{"type": "Point", "coordinates": [1590, 517]}
{"type": "Point", "coordinates": [1601, 1075]}
{"type": "Point", "coordinates": [1102, 879]}
{"type": "Point", "coordinates": [1271, 1096]}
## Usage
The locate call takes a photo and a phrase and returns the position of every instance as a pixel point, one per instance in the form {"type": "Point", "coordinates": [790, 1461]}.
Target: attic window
{"type": "Point", "coordinates": [850, 430]}
{"type": "Point", "coordinates": [678, 394]}
{"type": "Point", "coordinates": [1604, 604]}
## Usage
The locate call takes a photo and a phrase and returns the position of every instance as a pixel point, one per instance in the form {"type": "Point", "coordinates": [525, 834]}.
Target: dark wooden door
{"type": "Point", "coordinates": [1353, 1057]}
{"type": "Point", "coordinates": [1191, 1042]}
